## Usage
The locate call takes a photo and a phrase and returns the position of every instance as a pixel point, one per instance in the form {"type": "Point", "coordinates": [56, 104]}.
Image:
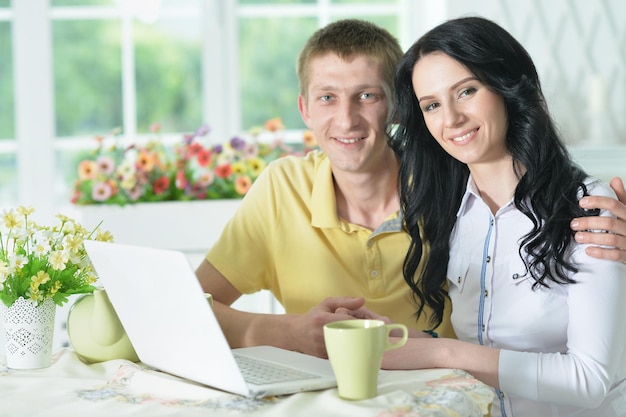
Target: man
{"type": "Point", "coordinates": [616, 227]}
{"type": "Point", "coordinates": [323, 232]}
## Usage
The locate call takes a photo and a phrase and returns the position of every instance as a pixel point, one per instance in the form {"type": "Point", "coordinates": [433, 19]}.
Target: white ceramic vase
{"type": "Point", "coordinates": [29, 331]}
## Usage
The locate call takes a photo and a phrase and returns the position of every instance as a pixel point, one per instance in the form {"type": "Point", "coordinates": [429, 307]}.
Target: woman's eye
{"type": "Point", "coordinates": [467, 91]}
{"type": "Point", "coordinates": [430, 106]}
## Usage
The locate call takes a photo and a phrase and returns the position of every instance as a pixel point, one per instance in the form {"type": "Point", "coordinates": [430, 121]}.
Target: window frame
{"type": "Point", "coordinates": [36, 143]}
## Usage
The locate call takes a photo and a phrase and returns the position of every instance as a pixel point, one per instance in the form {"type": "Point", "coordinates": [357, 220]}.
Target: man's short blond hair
{"type": "Point", "coordinates": [348, 38]}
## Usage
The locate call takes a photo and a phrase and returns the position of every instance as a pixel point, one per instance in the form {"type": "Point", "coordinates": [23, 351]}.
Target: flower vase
{"type": "Point", "coordinates": [29, 330]}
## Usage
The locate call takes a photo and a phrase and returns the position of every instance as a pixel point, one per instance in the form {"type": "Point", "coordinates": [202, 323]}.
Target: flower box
{"type": "Point", "coordinates": [189, 226]}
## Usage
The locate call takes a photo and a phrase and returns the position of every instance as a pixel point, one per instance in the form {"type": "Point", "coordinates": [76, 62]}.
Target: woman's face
{"type": "Point", "coordinates": [466, 118]}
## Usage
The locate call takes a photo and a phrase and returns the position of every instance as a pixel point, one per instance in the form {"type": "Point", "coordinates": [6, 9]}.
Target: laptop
{"type": "Point", "coordinates": [173, 328]}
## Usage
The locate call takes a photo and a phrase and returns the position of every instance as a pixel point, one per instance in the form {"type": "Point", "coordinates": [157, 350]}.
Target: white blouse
{"type": "Point", "coordinates": [562, 348]}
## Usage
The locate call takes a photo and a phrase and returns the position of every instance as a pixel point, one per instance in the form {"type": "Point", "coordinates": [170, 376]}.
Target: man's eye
{"type": "Point", "coordinates": [325, 98]}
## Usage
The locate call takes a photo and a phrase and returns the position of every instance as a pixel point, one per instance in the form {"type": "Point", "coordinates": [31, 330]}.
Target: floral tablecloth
{"type": "Point", "coordinates": [71, 387]}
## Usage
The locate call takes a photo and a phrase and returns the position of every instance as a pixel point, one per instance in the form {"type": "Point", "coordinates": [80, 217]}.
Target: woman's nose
{"type": "Point", "coordinates": [453, 116]}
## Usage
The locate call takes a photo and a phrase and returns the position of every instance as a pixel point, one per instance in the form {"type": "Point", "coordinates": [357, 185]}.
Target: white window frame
{"type": "Point", "coordinates": [36, 144]}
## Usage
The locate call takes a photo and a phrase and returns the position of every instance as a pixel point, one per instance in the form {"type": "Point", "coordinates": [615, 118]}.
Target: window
{"type": "Point", "coordinates": [8, 163]}
{"type": "Point", "coordinates": [105, 64]}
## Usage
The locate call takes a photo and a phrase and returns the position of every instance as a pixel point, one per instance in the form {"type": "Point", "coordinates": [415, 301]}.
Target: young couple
{"type": "Point", "coordinates": [487, 196]}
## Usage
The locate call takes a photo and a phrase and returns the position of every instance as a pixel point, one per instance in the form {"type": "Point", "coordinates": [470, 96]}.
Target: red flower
{"type": "Point", "coordinates": [223, 171]}
{"type": "Point", "coordinates": [160, 185]}
{"type": "Point", "coordinates": [204, 157]}
{"type": "Point", "coordinates": [181, 180]}
{"type": "Point", "coordinates": [195, 149]}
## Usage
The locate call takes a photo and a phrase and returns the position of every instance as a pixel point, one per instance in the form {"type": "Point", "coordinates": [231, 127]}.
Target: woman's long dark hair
{"type": "Point", "coordinates": [432, 182]}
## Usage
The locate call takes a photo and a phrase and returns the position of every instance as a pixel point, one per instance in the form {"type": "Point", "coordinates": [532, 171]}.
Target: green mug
{"type": "Point", "coordinates": [355, 349]}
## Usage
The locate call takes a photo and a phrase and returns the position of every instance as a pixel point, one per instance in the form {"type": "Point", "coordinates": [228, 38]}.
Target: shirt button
{"type": "Point", "coordinates": [458, 280]}
{"type": "Point", "coordinates": [373, 273]}
{"type": "Point", "coordinates": [515, 276]}
{"type": "Point", "coordinates": [483, 328]}
{"type": "Point", "coordinates": [486, 293]}
{"type": "Point", "coordinates": [488, 259]}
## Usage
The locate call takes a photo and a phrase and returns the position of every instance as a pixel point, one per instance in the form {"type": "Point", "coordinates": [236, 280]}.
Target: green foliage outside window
{"type": "Point", "coordinates": [267, 68]}
{"type": "Point", "coordinates": [6, 83]}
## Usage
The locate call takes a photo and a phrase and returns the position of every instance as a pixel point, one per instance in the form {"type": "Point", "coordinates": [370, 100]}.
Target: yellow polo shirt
{"type": "Point", "coordinates": [286, 237]}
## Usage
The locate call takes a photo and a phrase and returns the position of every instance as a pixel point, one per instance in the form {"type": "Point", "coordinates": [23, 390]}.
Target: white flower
{"type": "Point", "coordinates": [4, 271]}
{"type": "Point", "coordinates": [41, 249]}
{"type": "Point", "coordinates": [17, 262]}
{"type": "Point", "coordinates": [58, 260]}
{"type": "Point", "coordinates": [69, 228]}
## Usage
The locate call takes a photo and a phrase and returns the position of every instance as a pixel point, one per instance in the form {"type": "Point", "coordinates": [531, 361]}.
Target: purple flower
{"type": "Point", "coordinates": [188, 138]}
{"type": "Point", "coordinates": [237, 143]}
{"type": "Point", "coordinates": [203, 130]}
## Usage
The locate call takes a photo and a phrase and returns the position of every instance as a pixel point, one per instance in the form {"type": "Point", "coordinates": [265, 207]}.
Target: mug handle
{"type": "Point", "coordinates": [399, 343]}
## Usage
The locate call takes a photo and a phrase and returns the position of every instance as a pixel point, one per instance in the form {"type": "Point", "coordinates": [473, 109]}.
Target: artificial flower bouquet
{"type": "Point", "coordinates": [39, 262]}
{"type": "Point", "coordinates": [189, 170]}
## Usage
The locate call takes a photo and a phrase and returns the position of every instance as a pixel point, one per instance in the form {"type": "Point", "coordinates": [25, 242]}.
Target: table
{"type": "Point", "coordinates": [70, 387]}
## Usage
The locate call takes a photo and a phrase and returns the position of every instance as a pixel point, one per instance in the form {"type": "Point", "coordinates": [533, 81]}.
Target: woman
{"type": "Point", "coordinates": [536, 318]}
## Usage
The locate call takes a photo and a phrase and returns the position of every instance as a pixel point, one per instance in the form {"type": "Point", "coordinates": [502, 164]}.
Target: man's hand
{"type": "Point", "coordinates": [367, 314]}
{"type": "Point", "coordinates": [616, 227]}
{"type": "Point", "coordinates": [308, 330]}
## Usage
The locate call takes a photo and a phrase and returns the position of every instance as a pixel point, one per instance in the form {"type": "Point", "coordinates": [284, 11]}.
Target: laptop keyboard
{"type": "Point", "coordinates": [260, 372]}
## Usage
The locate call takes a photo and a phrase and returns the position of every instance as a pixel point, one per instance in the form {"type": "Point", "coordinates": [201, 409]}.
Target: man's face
{"type": "Point", "coordinates": [346, 108]}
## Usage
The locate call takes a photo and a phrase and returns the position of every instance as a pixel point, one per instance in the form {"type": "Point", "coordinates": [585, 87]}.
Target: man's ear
{"type": "Point", "coordinates": [304, 111]}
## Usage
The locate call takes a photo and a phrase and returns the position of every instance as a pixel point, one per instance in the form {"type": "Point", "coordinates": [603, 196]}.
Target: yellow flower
{"type": "Point", "coordinates": [55, 287]}
{"type": "Point", "coordinates": [41, 278]}
{"type": "Point", "coordinates": [104, 236]}
{"type": "Point", "coordinates": [25, 211]}
{"type": "Point", "coordinates": [44, 262]}
{"type": "Point", "coordinates": [256, 165]}
{"type": "Point", "coordinates": [238, 168]}
{"type": "Point", "coordinates": [10, 219]}
{"type": "Point", "coordinates": [128, 182]}
{"type": "Point", "coordinates": [34, 295]}
{"type": "Point", "coordinates": [73, 243]}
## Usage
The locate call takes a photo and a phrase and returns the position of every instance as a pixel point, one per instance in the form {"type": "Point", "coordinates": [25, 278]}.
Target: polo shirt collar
{"type": "Point", "coordinates": [323, 198]}
{"type": "Point", "coordinates": [324, 215]}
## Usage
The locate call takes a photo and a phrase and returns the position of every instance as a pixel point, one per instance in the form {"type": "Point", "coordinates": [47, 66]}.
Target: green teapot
{"type": "Point", "coordinates": [95, 331]}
